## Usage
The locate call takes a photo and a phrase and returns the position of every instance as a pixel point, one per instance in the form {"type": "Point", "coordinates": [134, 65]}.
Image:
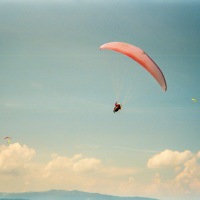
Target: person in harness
{"type": "Point", "coordinates": [117, 107]}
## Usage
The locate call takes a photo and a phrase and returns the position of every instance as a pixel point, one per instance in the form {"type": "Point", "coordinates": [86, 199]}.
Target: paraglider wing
{"type": "Point", "coordinates": [194, 100]}
{"type": "Point", "coordinates": [8, 140]}
{"type": "Point", "coordinates": [139, 56]}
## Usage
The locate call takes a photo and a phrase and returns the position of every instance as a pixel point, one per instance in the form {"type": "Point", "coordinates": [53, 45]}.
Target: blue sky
{"type": "Point", "coordinates": [58, 90]}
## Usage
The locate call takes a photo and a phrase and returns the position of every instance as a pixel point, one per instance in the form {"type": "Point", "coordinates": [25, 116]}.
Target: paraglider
{"type": "Point", "coordinates": [117, 107]}
{"type": "Point", "coordinates": [194, 100]}
{"type": "Point", "coordinates": [8, 140]}
{"type": "Point", "coordinates": [140, 57]}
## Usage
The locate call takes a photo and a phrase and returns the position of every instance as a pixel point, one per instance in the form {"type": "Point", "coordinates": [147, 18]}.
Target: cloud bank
{"type": "Point", "coordinates": [20, 171]}
{"type": "Point", "coordinates": [169, 158]}
{"type": "Point", "coordinates": [185, 179]}
{"type": "Point", "coordinates": [15, 158]}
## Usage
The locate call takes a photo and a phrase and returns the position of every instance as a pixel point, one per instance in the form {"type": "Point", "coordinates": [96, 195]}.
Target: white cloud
{"type": "Point", "coordinates": [189, 177]}
{"type": "Point", "coordinates": [169, 158]}
{"type": "Point", "coordinates": [87, 165]}
{"type": "Point", "coordinates": [14, 158]}
{"type": "Point", "coordinates": [83, 166]}
{"type": "Point", "coordinates": [15, 167]}
{"type": "Point", "coordinates": [64, 165]}
{"type": "Point", "coordinates": [21, 173]}
{"type": "Point", "coordinates": [185, 179]}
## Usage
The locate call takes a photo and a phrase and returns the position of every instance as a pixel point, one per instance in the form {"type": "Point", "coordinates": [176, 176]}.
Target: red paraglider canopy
{"type": "Point", "coordinates": [139, 56]}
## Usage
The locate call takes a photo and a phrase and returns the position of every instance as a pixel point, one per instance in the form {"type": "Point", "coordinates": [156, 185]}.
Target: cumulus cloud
{"type": "Point", "coordinates": [65, 165]}
{"type": "Point", "coordinates": [81, 166]}
{"type": "Point", "coordinates": [87, 165]}
{"type": "Point", "coordinates": [91, 174]}
{"type": "Point", "coordinates": [14, 158]}
{"type": "Point", "coordinates": [189, 177]}
{"type": "Point", "coordinates": [169, 158]}
{"type": "Point", "coordinates": [15, 166]}
{"type": "Point", "coordinates": [80, 172]}
{"type": "Point", "coordinates": [21, 173]}
{"type": "Point", "coordinates": [185, 180]}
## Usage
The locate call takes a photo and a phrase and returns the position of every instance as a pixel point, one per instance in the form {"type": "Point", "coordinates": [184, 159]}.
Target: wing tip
{"type": "Point", "coordinates": [164, 88]}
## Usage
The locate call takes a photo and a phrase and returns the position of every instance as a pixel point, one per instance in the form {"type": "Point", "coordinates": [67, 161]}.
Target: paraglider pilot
{"type": "Point", "coordinates": [117, 107]}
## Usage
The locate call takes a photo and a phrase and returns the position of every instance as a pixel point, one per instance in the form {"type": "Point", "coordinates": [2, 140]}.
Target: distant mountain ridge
{"type": "Point", "coordinates": [64, 195]}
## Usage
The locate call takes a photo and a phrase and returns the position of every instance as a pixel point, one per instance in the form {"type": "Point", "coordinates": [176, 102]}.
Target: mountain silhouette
{"type": "Point", "coordinates": [65, 195]}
